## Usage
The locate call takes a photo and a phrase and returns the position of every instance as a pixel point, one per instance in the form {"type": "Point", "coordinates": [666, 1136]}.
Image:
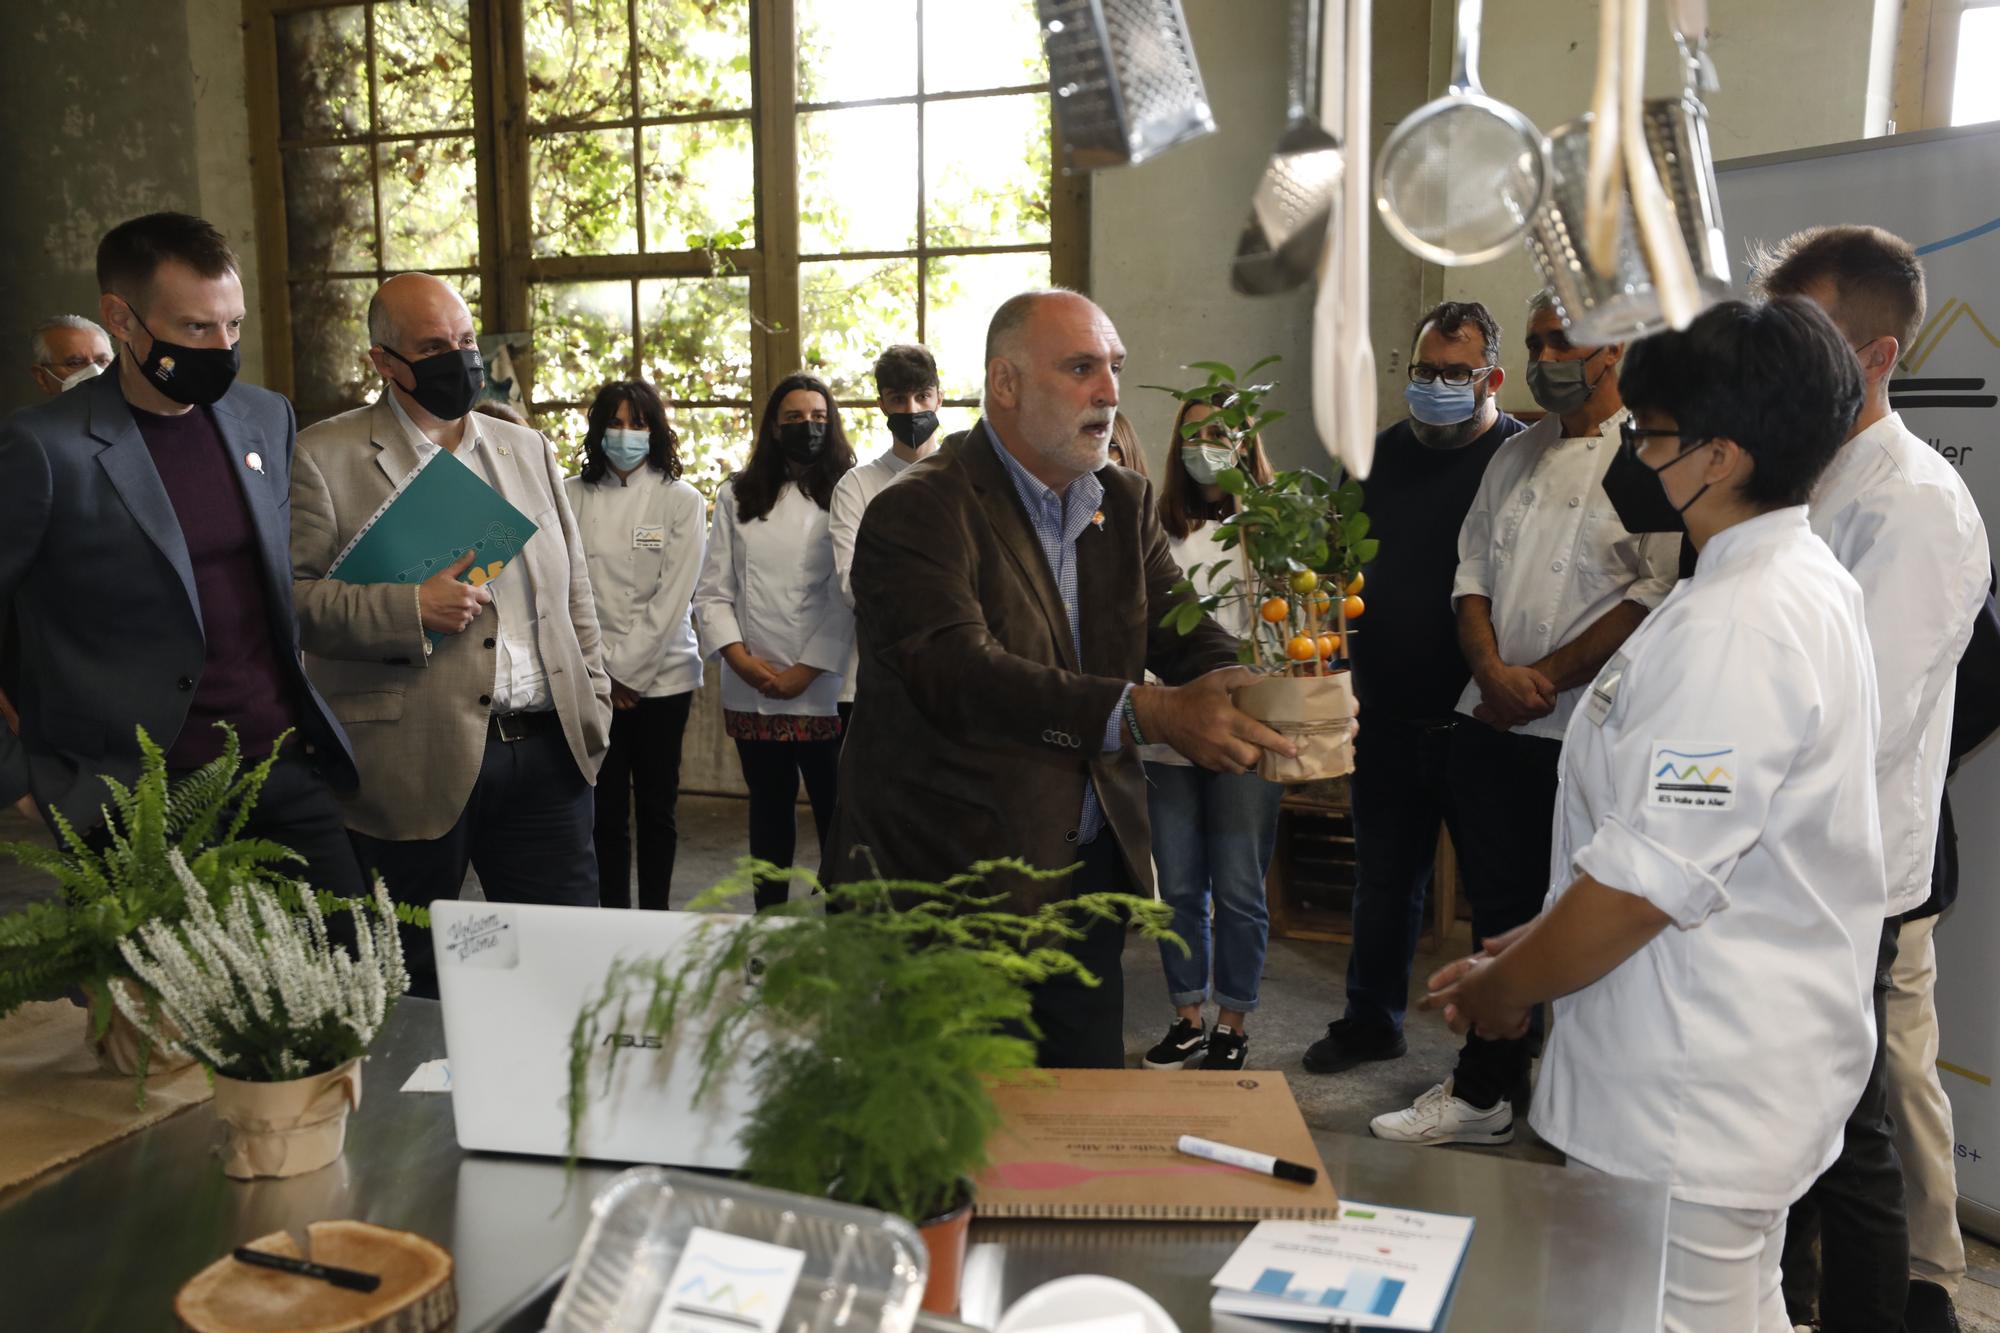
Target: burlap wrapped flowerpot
{"type": "Point", "coordinates": [123, 1042]}
{"type": "Point", "coordinates": [1316, 713]}
{"type": "Point", "coordinates": [288, 1128]}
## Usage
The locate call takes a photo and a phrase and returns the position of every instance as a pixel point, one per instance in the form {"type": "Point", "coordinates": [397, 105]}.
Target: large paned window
{"type": "Point", "coordinates": [707, 194]}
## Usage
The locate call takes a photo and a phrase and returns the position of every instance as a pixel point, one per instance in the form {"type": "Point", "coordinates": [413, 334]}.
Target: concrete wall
{"type": "Point", "coordinates": [111, 110]}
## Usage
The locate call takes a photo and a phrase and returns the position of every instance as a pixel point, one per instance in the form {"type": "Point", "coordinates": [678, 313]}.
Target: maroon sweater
{"type": "Point", "coordinates": [241, 682]}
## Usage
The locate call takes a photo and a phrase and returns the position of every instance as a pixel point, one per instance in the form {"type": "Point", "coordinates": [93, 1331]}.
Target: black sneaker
{"type": "Point", "coordinates": [1226, 1049]}
{"type": "Point", "coordinates": [1929, 1309]}
{"type": "Point", "coordinates": [1347, 1044]}
{"type": "Point", "coordinates": [1183, 1042]}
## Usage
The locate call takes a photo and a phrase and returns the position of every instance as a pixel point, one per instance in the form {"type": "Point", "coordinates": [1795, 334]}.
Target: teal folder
{"type": "Point", "coordinates": [438, 513]}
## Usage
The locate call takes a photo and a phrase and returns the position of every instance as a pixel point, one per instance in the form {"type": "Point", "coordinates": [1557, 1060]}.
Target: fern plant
{"type": "Point", "coordinates": [899, 1004]}
{"type": "Point", "coordinates": [109, 885]}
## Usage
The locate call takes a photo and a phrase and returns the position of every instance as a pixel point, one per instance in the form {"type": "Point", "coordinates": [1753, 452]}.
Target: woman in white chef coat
{"type": "Point", "coordinates": [1717, 886]}
{"type": "Point", "coordinates": [643, 529]}
{"type": "Point", "coordinates": [769, 603]}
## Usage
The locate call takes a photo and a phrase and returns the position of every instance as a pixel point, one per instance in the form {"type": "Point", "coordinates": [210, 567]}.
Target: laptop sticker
{"type": "Point", "coordinates": [485, 939]}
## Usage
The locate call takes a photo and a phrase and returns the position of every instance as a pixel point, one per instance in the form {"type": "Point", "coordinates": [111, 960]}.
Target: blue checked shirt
{"type": "Point", "coordinates": [1058, 520]}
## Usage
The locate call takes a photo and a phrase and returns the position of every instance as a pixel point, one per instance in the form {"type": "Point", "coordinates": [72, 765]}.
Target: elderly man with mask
{"type": "Point", "coordinates": [67, 350]}
{"type": "Point", "coordinates": [1549, 585]}
{"type": "Point", "coordinates": [1409, 674]}
{"type": "Point", "coordinates": [1008, 594]}
{"type": "Point", "coordinates": [480, 750]}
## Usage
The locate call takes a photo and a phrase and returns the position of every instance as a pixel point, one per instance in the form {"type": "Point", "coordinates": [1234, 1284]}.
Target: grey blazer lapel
{"type": "Point", "coordinates": [1002, 503]}
{"type": "Point", "coordinates": [241, 438]}
{"type": "Point", "coordinates": [130, 469]}
{"type": "Point", "coordinates": [397, 457]}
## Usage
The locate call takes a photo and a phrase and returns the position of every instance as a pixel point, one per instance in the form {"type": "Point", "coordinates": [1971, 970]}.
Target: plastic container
{"type": "Point", "coordinates": [864, 1270]}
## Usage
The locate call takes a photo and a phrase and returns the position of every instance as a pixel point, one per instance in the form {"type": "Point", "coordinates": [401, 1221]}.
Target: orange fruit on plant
{"type": "Point", "coordinates": [1329, 645]}
{"type": "Point", "coordinates": [1321, 605]}
{"type": "Point", "coordinates": [1274, 609]}
{"type": "Point", "coordinates": [1352, 608]}
{"type": "Point", "coordinates": [1356, 584]}
{"type": "Point", "coordinates": [1302, 648]}
{"type": "Point", "coordinates": [1304, 581]}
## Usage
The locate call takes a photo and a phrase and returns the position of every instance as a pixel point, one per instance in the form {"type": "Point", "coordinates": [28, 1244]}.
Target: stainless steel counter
{"type": "Point", "coordinates": [104, 1244]}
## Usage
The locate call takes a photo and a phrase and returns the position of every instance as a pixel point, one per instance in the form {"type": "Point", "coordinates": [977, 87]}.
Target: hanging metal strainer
{"type": "Point", "coordinates": [1124, 80]}
{"type": "Point", "coordinates": [1462, 175]}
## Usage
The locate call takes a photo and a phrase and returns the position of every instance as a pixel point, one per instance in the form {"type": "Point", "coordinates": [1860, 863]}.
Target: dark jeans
{"type": "Point", "coordinates": [1400, 796]}
{"type": "Point", "coordinates": [1083, 1027]}
{"type": "Point", "coordinates": [641, 772]}
{"type": "Point", "coordinates": [1503, 788]}
{"type": "Point", "coordinates": [771, 769]}
{"type": "Point", "coordinates": [525, 829]}
{"type": "Point", "coordinates": [298, 810]}
{"type": "Point", "coordinates": [1855, 1209]}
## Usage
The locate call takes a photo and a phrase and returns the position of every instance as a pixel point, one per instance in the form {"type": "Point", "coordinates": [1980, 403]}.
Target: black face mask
{"type": "Point", "coordinates": [912, 429]}
{"type": "Point", "coordinates": [446, 385]}
{"type": "Point", "coordinates": [196, 376]}
{"type": "Point", "coordinates": [802, 441]}
{"type": "Point", "coordinates": [1636, 492]}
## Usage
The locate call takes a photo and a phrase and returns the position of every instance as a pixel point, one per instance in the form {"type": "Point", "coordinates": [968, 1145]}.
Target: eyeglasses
{"type": "Point", "coordinates": [1633, 438]}
{"type": "Point", "coordinates": [1456, 377]}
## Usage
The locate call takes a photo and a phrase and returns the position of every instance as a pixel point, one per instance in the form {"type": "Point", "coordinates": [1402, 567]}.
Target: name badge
{"type": "Point", "coordinates": [649, 539]}
{"type": "Point", "coordinates": [1603, 693]}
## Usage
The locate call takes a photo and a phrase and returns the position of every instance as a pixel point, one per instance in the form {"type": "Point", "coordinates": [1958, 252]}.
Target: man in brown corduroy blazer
{"type": "Point", "coordinates": [1008, 594]}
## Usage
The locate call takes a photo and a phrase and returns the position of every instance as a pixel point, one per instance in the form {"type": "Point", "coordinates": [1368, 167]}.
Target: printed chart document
{"type": "Point", "coordinates": [434, 516]}
{"type": "Point", "coordinates": [1372, 1268]}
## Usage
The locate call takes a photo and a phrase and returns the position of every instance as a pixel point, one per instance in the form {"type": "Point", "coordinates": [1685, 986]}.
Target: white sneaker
{"type": "Point", "coordinates": [1438, 1117]}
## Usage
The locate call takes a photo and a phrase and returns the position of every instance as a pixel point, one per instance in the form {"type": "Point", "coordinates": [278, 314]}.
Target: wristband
{"type": "Point", "coordinates": [1131, 719]}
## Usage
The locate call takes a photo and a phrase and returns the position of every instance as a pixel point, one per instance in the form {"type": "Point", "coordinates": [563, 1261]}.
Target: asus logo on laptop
{"type": "Point", "coordinates": [631, 1041]}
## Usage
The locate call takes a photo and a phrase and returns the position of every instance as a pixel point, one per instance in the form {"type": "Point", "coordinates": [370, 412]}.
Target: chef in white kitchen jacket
{"type": "Point", "coordinates": [1717, 883]}
{"type": "Point", "coordinates": [769, 604]}
{"type": "Point", "coordinates": [643, 529]}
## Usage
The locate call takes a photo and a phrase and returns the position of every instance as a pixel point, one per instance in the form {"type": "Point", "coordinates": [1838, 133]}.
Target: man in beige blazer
{"type": "Point", "coordinates": [481, 750]}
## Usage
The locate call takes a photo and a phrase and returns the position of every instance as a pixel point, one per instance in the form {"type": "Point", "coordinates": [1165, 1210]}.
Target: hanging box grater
{"type": "Point", "coordinates": [1123, 79]}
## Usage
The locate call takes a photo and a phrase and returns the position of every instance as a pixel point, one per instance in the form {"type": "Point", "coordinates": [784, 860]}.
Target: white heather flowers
{"type": "Point", "coordinates": [258, 992]}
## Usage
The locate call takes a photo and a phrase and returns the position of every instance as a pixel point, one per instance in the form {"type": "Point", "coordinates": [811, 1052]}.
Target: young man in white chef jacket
{"type": "Point", "coordinates": [1717, 883]}
{"type": "Point", "coordinates": [1549, 585]}
{"type": "Point", "coordinates": [1901, 520]}
{"type": "Point", "coordinates": [907, 392]}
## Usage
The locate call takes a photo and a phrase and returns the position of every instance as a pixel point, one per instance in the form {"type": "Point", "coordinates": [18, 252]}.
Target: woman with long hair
{"type": "Point", "coordinates": [643, 532]}
{"type": "Point", "coordinates": [1213, 833]}
{"type": "Point", "coordinates": [769, 604]}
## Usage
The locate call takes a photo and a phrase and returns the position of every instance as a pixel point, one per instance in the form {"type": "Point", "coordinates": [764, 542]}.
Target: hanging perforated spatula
{"type": "Point", "coordinates": [1289, 211]}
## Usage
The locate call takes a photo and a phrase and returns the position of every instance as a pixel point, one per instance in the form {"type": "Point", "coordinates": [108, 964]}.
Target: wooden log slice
{"type": "Point", "coordinates": [416, 1296]}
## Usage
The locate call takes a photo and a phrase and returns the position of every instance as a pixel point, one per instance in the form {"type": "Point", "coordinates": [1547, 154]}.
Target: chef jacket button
{"type": "Point", "coordinates": [1591, 445]}
{"type": "Point", "coordinates": [1542, 628]}
{"type": "Point", "coordinates": [1557, 567]}
{"type": "Point", "coordinates": [1575, 500]}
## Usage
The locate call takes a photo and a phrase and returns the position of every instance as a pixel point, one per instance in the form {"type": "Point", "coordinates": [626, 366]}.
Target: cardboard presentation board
{"type": "Point", "coordinates": [1099, 1144]}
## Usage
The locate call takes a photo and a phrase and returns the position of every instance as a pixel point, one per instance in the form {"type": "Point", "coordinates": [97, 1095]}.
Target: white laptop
{"type": "Point", "coordinates": [513, 978]}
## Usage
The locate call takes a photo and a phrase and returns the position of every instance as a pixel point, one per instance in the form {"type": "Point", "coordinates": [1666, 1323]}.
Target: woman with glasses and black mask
{"type": "Point", "coordinates": [769, 604]}
{"type": "Point", "coordinates": [643, 530]}
{"type": "Point", "coordinates": [1717, 882]}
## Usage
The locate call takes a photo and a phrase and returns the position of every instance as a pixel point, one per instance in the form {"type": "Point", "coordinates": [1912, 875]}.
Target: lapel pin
{"type": "Point", "coordinates": [255, 461]}
{"type": "Point", "coordinates": [503, 451]}
{"type": "Point", "coordinates": [1097, 520]}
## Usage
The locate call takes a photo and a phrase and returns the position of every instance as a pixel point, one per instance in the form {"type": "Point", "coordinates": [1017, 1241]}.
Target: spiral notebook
{"type": "Point", "coordinates": [437, 513]}
{"type": "Point", "coordinates": [1100, 1144]}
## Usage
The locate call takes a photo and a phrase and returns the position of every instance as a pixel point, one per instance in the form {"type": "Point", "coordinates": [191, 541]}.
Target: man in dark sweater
{"type": "Point", "coordinates": [146, 560]}
{"type": "Point", "coordinates": [1408, 672]}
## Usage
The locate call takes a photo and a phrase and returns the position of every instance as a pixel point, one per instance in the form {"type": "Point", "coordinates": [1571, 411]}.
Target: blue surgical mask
{"type": "Point", "coordinates": [627, 448]}
{"type": "Point", "coordinates": [1441, 404]}
{"type": "Point", "coordinates": [1203, 461]}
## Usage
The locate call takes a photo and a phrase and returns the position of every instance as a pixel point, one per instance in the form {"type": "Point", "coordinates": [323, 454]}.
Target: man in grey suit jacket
{"type": "Point", "coordinates": [482, 750]}
{"type": "Point", "coordinates": [144, 523]}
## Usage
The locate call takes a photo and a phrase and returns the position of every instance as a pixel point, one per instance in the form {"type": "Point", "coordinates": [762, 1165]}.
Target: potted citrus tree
{"type": "Point", "coordinates": [897, 1007]}
{"type": "Point", "coordinates": [1297, 546]}
{"type": "Point", "coordinates": [279, 1014]}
